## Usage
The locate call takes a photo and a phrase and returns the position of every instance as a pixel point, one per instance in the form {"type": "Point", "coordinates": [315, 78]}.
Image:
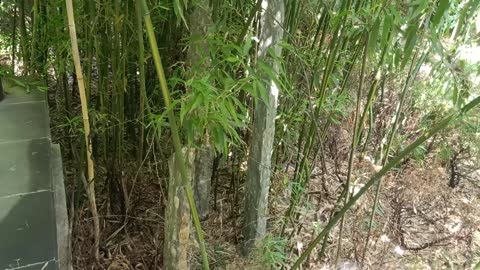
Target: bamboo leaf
{"type": "Point", "coordinates": [231, 110]}
{"type": "Point", "coordinates": [374, 37]}
{"type": "Point", "coordinates": [411, 39]}
{"type": "Point", "coordinates": [442, 7]}
{"type": "Point", "coordinates": [178, 9]}
{"type": "Point", "coordinates": [247, 45]}
{"type": "Point", "coordinates": [386, 31]}
{"type": "Point", "coordinates": [196, 102]}
{"type": "Point", "coordinates": [262, 91]}
{"type": "Point", "coordinates": [232, 59]}
{"type": "Point", "coordinates": [267, 70]}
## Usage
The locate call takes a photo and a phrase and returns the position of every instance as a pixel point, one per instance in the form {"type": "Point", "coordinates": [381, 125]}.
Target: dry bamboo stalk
{"type": "Point", "coordinates": [83, 100]}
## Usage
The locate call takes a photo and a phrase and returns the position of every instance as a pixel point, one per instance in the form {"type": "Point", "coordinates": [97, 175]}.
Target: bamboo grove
{"type": "Point", "coordinates": [135, 82]}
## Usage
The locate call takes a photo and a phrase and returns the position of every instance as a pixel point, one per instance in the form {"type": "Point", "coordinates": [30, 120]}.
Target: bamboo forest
{"type": "Point", "coordinates": [256, 134]}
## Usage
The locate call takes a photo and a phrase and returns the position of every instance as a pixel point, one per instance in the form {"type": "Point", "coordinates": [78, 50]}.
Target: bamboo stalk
{"type": "Point", "coordinates": [309, 140]}
{"type": "Point", "coordinates": [102, 64]}
{"type": "Point", "coordinates": [356, 130]}
{"type": "Point", "coordinates": [175, 132]}
{"type": "Point", "coordinates": [142, 92]}
{"type": "Point", "coordinates": [415, 66]}
{"type": "Point", "coordinates": [90, 46]}
{"type": "Point", "coordinates": [86, 124]}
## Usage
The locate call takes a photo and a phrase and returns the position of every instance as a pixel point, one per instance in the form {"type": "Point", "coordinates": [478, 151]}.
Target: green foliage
{"type": "Point", "coordinates": [440, 11]}
{"type": "Point", "coordinates": [337, 107]}
{"type": "Point", "coordinates": [221, 257]}
{"type": "Point", "coordinates": [210, 107]}
{"type": "Point", "coordinates": [216, 111]}
{"type": "Point", "coordinates": [274, 252]}
{"type": "Point", "coordinates": [446, 152]}
{"type": "Point", "coordinates": [6, 26]}
{"type": "Point", "coordinates": [74, 126]}
{"type": "Point", "coordinates": [419, 154]}
{"type": "Point", "coordinates": [179, 6]}
{"type": "Point", "coordinates": [27, 83]}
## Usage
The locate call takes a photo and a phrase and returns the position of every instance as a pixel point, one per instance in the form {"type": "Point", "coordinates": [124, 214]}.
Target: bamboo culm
{"type": "Point", "coordinates": [175, 132]}
{"type": "Point", "coordinates": [86, 125]}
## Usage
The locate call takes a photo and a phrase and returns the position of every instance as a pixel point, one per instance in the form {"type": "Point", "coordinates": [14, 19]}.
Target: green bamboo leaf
{"type": "Point", "coordinates": [231, 110]}
{"type": "Point", "coordinates": [372, 44]}
{"type": "Point", "coordinates": [178, 9]}
{"type": "Point", "coordinates": [241, 107]}
{"type": "Point", "coordinates": [386, 31]}
{"type": "Point", "coordinates": [190, 130]}
{"type": "Point", "coordinates": [183, 111]}
{"type": "Point", "coordinates": [443, 5]}
{"type": "Point", "coordinates": [379, 211]}
{"type": "Point", "coordinates": [411, 40]}
{"type": "Point", "coordinates": [223, 111]}
{"type": "Point", "coordinates": [455, 96]}
{"type": "Point", "coordinates": [267, 69]}
{"type": "Point", "coordinates": [252, 89]}
{"type": "Point", "coordinates": [247, 45]}
{"type": "Point", "coordinates": [196, 102]}
{"type": "Point", "coordinates": [477, 266]}
{"type": "Point", "coordinates": [262, 91]}
{"type": "Point", "coordinates": [232, 59]}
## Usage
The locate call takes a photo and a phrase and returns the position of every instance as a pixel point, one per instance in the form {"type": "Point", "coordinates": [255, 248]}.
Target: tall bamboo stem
{"type": "Point", "coordinates": [175, 132]}
{"type": "Point", "coordinates": [412, 73]}
{"type": "Point", "coordinates": [86, 125]}
{"type": "Point", "coordinates": [142, 92]}
{"type": "Point", "coordinates": [353, 148]}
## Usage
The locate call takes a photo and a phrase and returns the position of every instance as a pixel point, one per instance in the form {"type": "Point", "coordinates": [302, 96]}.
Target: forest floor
{"type": "Point", "coordinates": [421, 222]}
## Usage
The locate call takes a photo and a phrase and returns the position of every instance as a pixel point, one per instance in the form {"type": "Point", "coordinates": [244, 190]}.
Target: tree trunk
{"type": "Point", "coordinates": [204, 158]}
{"type": "Point", "coordinates": [259, 162]}
{"type": "Point", "coordinates": [198, 60]}
{"type": "Point", "coordinates": [177, 221]}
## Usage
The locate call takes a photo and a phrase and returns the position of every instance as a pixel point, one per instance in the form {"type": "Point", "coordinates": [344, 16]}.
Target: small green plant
{"type": "Point", "coordinates": [28, 84]}
{"type": "Point", "coordinates": [274, 252]}
{"type": "Point", "coordinates": [419, 154]}
{"type": "Point", "coordinates": [221, 256]}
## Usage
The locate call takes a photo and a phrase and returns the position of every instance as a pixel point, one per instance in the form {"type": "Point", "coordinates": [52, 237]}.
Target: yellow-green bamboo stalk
{"type": "Point", "coordinates": [412, 73]}
{"type": "Point", "coordinates": [86, 125]}
{"type": "Point", "coordinates": [175, 132]}
{"type": "Point", "coordinates": [353, 149]}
